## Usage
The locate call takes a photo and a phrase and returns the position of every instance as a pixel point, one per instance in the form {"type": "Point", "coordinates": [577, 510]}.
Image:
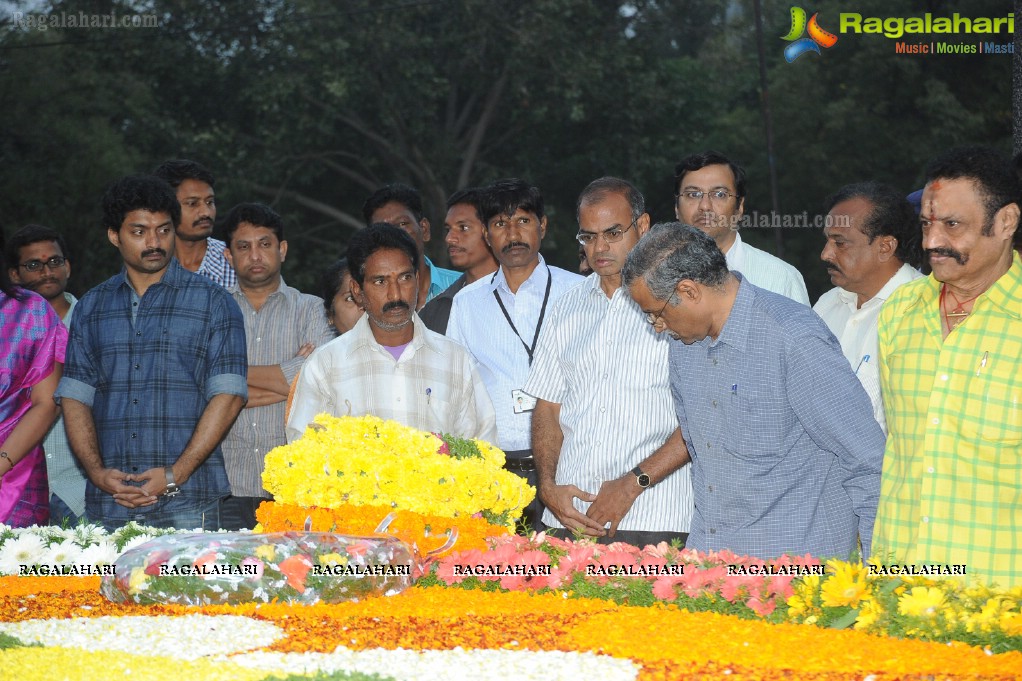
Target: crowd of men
{"type": "Point", "coordinates": [683, 391]}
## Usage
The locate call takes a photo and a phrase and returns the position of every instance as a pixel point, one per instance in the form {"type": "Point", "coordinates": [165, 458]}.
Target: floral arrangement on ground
{"type": "Point", "coordinates": [536, 607]}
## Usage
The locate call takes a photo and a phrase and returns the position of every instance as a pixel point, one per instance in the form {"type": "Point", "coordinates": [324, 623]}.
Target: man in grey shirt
{"type": "Point", "coordinates": [282, 327]}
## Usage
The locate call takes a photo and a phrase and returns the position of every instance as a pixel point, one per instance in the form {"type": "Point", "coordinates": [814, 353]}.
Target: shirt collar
{"type": "Point", "coordinates": [904, 275]}
{"type": "Point", "coordinates": [497, 280]}
{"type": "Point", "coordinates": [174, 275]}
{"type": "Point", "coordinates": [362, 335]}
{"type": "Point", "coordinates": [1005, 291]}
{"type": "Point", "coordinates": [738, 323]}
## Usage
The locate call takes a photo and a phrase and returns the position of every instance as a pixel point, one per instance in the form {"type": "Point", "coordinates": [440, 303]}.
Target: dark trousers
{"type": "Point", "coordinates": [239, 513]}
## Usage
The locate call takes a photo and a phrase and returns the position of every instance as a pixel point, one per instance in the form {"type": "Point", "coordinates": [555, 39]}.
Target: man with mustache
{"type": "Point", "coordinates": [872, 248]}
{"type": "Point", "coordinates": [499, 318]}
{"type": "Point", "coordinates": [39, 262]}
{"type": "Point", "coordinates": [709, 194]}
{"type": "Point", "coordinates": [468, 251]}
{"type": "Point", "coordinates": [194, 246]}
{"type": "Point", "coordinates": [951, 375]}
{"type": "Point", "coordinates": [155, 373]}
{"type": "Point", "coordinates": [389, 364]}
{"type": "Point", "coordinates": [282, 328]}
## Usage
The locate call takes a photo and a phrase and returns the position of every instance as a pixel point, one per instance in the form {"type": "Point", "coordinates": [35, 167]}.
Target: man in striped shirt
{"type": "Point", "coordinates": [608, 451]}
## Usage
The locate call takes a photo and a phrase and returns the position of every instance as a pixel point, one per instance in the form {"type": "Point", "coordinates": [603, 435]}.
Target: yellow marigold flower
{"type": "Point", "coordinates": [332, 559]}
{"type": "Point", "coordinates": [869, 614]}
{"type": "Point", "coordinates": [921, 601]}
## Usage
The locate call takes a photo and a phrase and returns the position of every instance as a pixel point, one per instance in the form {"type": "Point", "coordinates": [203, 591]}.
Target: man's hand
{"type": "Point", "coordinates": [559, 499]}
{"type": "Point", "coordinates": [613, 501]}
{"type": "Point", "coordinates": [114, 483]}
{"type": "Point", "coordinates": [154, 481]}
{"type": "Point", "coordinates": [305, 350]}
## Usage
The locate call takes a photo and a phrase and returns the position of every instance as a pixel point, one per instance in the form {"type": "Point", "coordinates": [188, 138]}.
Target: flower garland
{"type": "Point", "coordinates": [369, 461]}
{"type": "Point", "coordinates": [425, 532]}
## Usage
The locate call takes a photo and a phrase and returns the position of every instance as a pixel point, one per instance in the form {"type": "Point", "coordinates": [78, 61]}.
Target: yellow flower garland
{"type": "Point", "coordinates": [368, 461]}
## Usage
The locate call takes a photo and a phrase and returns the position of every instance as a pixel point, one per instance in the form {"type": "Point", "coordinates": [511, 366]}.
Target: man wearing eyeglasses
{"type": "Point", "coordinates": [42, 266]}
{"type": "Point", "coordinates": [499, 318]}
{"type": "Point", "coordinates": [786, 454]}
{"type": "Point", "coordinates": [709, 193]}
{"type": "Point", "coordinates": [605, 437]}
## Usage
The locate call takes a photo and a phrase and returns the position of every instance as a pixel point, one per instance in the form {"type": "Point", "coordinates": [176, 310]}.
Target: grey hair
{"type": "Point", "coordinates": [597, 190]}
{"type": "Point", "coordinates": [672, 252]}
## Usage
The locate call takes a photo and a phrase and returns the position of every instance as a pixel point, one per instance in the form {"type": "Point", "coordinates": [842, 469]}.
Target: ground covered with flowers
{"type": "Point", "coordinates": [528, 608]}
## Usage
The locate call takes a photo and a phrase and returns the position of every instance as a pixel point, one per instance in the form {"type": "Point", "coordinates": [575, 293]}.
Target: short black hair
{"type": "Point", "coordinates": [30, 234]}
{"type": "Point", "coordinates": [892, 215]}
{"type": "Point", "coordinates": [257, 214]}
{"type": "Point", "coordinates": [992, 172]}
{"type": "Point", "coordinates": [504, 197]}
{"type": "Point", "coordinates": [330, 282]}
{"type": "Point", "coordinates": [598, 189]}
{"type": "Point", "coordinates": [138, 192]}
{"type": "Point", "coordinates": [694, 162]}
{"type": "Point", "coordinates": [470, 196]}
{"type": "Point", "coordinates": [377, 237]}
{"type": "Point", "coordinates": [396, 192]}
{"type": "Point", "coordinates": [176, 171]}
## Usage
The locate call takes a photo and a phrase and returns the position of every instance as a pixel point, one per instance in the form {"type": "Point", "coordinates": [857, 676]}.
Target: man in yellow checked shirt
{"type": "Point", "coordinates": [951, 377]}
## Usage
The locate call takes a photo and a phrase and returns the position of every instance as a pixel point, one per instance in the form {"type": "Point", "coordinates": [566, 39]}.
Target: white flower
{"type": "Point", "coordinates": [26, 549]}
{"type": "Point", "coordinates": [103, 553]}
{"type": "Point", "coordinates": [137, 541]}
{"type": "Point", "coordinates": [64, 553]}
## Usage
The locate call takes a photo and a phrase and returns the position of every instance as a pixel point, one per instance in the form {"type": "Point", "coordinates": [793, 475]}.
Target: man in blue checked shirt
{"type": "Point", "coordinates": [155, 374]}
{"type": "Point", "coordinates": [786, 454]}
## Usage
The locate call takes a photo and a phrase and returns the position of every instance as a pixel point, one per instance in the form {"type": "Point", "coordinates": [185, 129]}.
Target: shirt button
{"type": "Point", "coordinates": [711, 488]}
{"type": "Point", "coordinates": [399, 399]}
{"type": "Point", "coordinates": [708, 445]}
{"type": "Point", "coordinates": [135, 401]}
{"type": "Point", "coordinates": [926, 518]}
{"type": "Point", "coordinates": [606, 376]}
{"type": "Point", "coordinates": [943, 377]}
{"type": "Point", "coordinates": [714, 362]}
{"type": "Point", "coordinates": [930, 469]}
{"type": "Point", "coordinates": [138, 333]}
{"type": "Point", "coordinates": [715, 403]}
{"type": "Point", "coordinates": [137, 366]}
{"type": "Point", "coordinates": [713, 531]}
{"type": "Point", "coordinates": [936, 421]}
{"type": "Point", "coordinates": [133, 436]}
{"type": "Point", "coordinates": [603, 409]}
{"type": "Point", "coordinates": [259, 340]}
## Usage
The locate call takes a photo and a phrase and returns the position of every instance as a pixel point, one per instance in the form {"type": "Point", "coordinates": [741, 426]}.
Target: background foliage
{"type": "Point", "coordinates": [309, 105]}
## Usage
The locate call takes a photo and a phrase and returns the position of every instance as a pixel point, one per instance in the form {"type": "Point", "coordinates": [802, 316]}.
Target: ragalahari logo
{"type": "Point", "coordinates": [817, 36]}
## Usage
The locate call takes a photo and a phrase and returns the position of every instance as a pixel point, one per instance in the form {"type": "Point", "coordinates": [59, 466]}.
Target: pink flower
{"type": "Point", "coordinates": [761, 608]}
{"type": "Point", "coordinates": [664, 587]}
{"type": "Point", "coordinates": [259, 567]}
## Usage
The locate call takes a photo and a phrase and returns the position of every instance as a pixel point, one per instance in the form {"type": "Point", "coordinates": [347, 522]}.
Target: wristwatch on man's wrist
{"type": "Point", "coordinates": [172, 488]}
{"type": "Point", "coordinates": [641, 478]}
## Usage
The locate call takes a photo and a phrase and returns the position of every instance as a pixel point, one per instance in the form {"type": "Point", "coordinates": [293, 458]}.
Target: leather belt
{"type": "Point", "coordinates": [520, 461]}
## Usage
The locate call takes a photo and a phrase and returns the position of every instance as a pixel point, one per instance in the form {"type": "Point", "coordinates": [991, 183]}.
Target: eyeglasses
{"type": "Point", "coordinates": [56, 262]}
{"type": "Point", "coordinates": [653, 319]}
{"type": "Point", "coordinates": [612, 235]}
{"type": "Point", "coordinates": [714, 194]}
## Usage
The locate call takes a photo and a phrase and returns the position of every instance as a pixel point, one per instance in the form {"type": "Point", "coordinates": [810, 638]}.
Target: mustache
{"type": "Point", "coordinates": [831, 267]}
{"type": "Point", "coordinates": [514, 244]}
{"type": "Point", "coordinates": [395, 305]}
{"type": "Point", "coordinates": [154, 251]}
{"type": "Point", "coordinates": [38, 283]}
{"type": "Point", "coordinates": [948, 252]}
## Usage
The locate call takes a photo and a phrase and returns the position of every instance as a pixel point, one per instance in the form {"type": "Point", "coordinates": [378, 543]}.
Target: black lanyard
{"type": "Point", "coordinates": [539, 324]}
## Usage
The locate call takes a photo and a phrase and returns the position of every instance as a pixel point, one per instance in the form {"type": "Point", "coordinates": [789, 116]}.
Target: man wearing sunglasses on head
{"type": "Point", "coordinates": [608, 451]}
{"type": "Point", "coordinates": [709, 194]}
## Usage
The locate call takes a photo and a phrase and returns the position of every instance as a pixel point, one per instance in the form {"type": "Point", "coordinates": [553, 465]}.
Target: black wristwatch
{"type": "Point", "coordinates": [641, 478]}
{"type": "Point", "coordinates": [172, 489]}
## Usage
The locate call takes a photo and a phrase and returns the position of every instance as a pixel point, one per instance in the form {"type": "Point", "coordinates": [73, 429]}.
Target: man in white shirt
{"type": "Point", "coordinates": [873, 244]}
{"type": "Point", "coordinates": [389, 364]}
{"type": "Point", "coordinates": [605, 435]}
{"type": "Point", "coordinates": [499, 318]}
{"type": "Point", "coordinates": [709, 193]}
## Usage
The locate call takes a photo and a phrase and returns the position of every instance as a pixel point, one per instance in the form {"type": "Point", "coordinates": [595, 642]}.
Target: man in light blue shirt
{"type": "Point", "coordinates": [786, 455]}
{"type": "Point", "coordinates": [499, 318]}
{"type": "Point", "coordinates": [400, 205]}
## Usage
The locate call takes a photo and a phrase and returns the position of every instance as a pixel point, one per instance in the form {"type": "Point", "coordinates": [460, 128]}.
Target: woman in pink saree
{"type": "Point", "coordinates": [32, 345]}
